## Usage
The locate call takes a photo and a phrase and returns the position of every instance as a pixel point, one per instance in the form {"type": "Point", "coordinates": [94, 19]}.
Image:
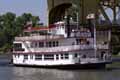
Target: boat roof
{"type": "Point", "coordinates": [42, 28]}
{"type": "Point", "coordinates": [30, 29]}
{"type": "Point", "coordinates": [51, 52]}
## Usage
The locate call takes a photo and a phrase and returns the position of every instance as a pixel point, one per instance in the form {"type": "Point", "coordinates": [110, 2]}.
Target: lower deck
{"type": "Point", "coordinates": [67, 58]}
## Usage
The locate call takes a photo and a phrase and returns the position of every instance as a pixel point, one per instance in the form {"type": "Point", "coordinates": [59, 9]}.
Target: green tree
{"type": "Point", "coordinates": [35, 21]}
{"type": "Point", "coordinates": [11, 26]}
{"type": "Point", "coordinates": [27, 17]}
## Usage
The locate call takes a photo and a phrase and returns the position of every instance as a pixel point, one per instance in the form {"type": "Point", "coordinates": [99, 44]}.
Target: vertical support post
{"type": "Point", "coordinates": [77, 20]}
{"type": "Point", "coordinates": [109, 44]}
{"type": "Point", "coordinates": [95, 45]}
{"type": "Point", "coordinates": [94, 36]}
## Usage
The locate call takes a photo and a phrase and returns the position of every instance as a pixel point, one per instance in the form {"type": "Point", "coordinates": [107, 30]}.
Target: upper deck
{"type": "Point", "coordinates": [37, 38]}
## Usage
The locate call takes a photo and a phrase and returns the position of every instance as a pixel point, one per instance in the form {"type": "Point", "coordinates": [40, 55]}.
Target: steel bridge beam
{"type": "Point", "coordinates": [85, 7]}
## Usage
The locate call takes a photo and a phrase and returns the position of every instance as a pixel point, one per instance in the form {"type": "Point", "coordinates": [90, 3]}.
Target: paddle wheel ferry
{"type": "Point", "coordinates": [55, 46]}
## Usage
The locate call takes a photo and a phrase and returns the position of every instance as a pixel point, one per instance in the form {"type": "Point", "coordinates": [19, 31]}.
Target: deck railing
{"type": "Point", "coordinates": [101, 46]}
{"type": "Point", "coordinates": [63, 48]}
{"type": "Point", "coordinates": [67, 48]}
{"type": "Point", "coordinates": [25, 38]}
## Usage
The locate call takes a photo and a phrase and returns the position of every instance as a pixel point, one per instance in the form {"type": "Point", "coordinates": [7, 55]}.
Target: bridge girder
{"type": "Point", "coordinates": [56, 8]}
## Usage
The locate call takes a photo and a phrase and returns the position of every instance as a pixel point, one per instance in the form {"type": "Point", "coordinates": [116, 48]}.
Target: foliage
{"type": "Point", "coordinates": [116, 50]}
{"type": "Point", "coordinates": [12, 25]}
{"type": "Point", "coordinates": [115, 41]}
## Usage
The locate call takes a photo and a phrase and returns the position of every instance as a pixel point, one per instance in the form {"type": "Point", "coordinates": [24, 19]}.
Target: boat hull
{"type": "Point", "coordinates": [69, 66]}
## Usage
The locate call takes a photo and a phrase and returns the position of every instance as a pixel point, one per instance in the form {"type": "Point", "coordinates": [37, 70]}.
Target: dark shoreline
{"type": "Point", "coordinates": [116, 59]}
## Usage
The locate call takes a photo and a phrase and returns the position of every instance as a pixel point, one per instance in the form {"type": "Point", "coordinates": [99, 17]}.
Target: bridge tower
{"type": "Point", "coordinates": [57, 9]}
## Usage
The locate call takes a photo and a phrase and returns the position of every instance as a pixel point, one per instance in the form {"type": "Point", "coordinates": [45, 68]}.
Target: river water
{"type": "Point", "coordinates": [9, 72]}
{"type": "Point", "coordinates": [27, 73]}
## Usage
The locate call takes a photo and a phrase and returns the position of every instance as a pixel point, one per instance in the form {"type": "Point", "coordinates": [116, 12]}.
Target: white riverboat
{"type": "Point", "coordinates": [55, 47]}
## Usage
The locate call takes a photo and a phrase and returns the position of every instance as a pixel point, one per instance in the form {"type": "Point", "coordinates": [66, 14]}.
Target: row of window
{"type": "Point", "coordinates": [44, 44]}
{"type": "Point", "coordinates": [82, 41]}
{"type": "Point", "coordinates": [48, 56]}
{"type": "Point", "coordinates": [102, 33]}
{"type": "Point", "coordinates": [17, 45]}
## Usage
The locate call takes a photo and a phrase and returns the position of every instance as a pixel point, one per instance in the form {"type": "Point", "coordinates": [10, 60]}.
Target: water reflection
{"type": "Point", "coordinates": [20, 73]}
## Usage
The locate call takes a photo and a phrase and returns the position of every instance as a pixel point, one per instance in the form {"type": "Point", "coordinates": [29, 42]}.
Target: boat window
{"type": "Point", "coordinates": [54, 44]}
{"type": "Point", "coordinates": [78, 41]}
{"type": "Point", "coordinates": [66, 56]}
{"type": "Point", "coordinates": [57, 56]}
{"type": "Point", "coordinates": [76, 55]}
{"type": "Point", "coordinates": [61, 56]}
{"type": "Point", "coordinates": [38, 57]}
{"type": "Point", "coordinates": [87, 42]}
{"type": "Point", "coordinates": [31, 56]}
{"type": "Point", "coordinates": [32, 45]}
{"type": "Point", "coordinates": [57, 43]}
{"type": "Point", "coordinates": [47, 44]}
{"type": "Point", "coordinates": [49, 57]}
{"type": "Point", "coordinates": [26, 56]}
{"type": "Point", "coordinates": [41, 44]}
{"type": "Point", "coordinates": [84, 56]}
{"type": "Point", "coordinates": [18, 47]}
{"type": "Point", "coordinates": [50, 44]}
{"type": "Point", "coordinates": [36, 44]}
{"type": "Point", "coordinates": [81, 41]}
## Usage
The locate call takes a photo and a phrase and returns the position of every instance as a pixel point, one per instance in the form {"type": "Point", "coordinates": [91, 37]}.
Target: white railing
{"type": "Point", "coordinates": [100, 46]}
{"type": "Point", "coordinates": [63, 48]}
{"type": "Point", "coordinates": [36, 38]}
{"type": "Point", "coordinates": [84, 34]}
{"type": "Point", "coordinates": [89, 60]}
